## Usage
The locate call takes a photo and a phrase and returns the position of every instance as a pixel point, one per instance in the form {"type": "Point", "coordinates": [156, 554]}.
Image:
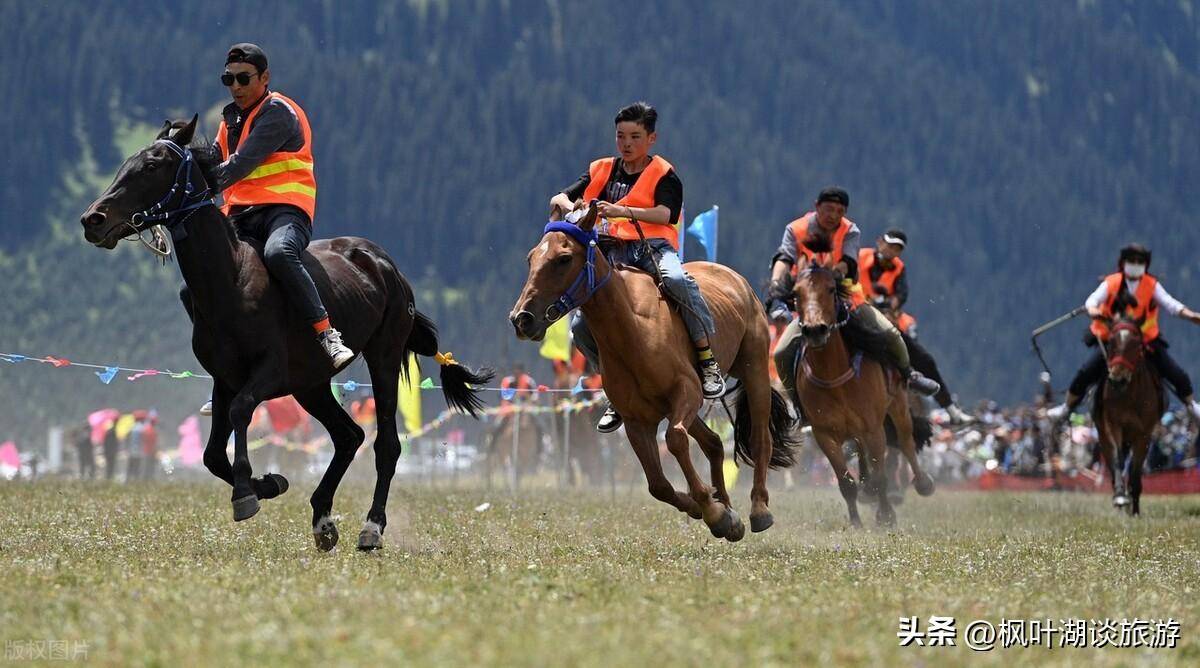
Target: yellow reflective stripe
{"type": "Point", "coordinates": [272, 168]}
{"type": "Point", "coordinates": [292, 188]}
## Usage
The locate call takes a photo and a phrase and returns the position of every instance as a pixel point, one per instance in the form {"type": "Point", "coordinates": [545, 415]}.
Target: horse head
{"type": "Point", "coordinates": [151, 182]}
{"type": "Point", "coordinates": [820, 302]}
{"type": "Point", "coordinates": [1125, 351]}
{"type": "Point", "coordinates": [562, 274]}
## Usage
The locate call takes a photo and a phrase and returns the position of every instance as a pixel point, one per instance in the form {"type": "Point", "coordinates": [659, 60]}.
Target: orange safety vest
{"type": "Point", "coordinates": [905, 322]}
{"type": "Point", "coordinates": [866, 261]}
{"type": "Point", "coordinates": [640, 195]}
{"type": "Point", "coordinates": [283, 178]}
{"type": "Point", "coordinates": [799, 229]}
{"type": "Point", "coordinates": [1145, 313]}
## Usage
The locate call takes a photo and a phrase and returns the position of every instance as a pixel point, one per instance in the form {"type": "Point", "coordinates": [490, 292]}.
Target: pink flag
{"type": "Point", "coordinates": [191, 451]}
{"type": "Point", "coordinates": [9, 456]}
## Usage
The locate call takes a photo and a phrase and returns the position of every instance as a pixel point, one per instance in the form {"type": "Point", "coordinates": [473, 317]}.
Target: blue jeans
{"type": "Point", "coordinates": [681, 286]}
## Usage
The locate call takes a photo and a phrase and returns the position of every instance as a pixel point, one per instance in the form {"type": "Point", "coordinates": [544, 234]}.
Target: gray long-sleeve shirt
{"type": "Point", "coordinates": [850, 244]}
{"type": "Point", "coordinates": [275, 128]}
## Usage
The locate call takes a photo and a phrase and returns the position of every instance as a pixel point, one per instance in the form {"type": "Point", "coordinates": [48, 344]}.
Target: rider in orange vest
{"type": "Point", "coordinates": [266, 174]}
{"type": "Point", "coordinates": [645, 188]}
{"type": "Point", "coordinates": [1144, 295]}
{"type": "Point", "coordinates": [828, 228]}
{"type": "Point", "coordinates": [884, 278]}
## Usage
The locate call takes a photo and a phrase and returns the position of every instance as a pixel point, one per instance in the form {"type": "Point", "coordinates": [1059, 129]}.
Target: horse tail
{"type": "Point", "coordinates": [782, 426]}
{"type": "Point", "coordinates": [459, 382]}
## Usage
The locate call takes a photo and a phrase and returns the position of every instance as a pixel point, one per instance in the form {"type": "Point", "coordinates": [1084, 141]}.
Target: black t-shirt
{"type": "Point", "coordinates": [668, 192]}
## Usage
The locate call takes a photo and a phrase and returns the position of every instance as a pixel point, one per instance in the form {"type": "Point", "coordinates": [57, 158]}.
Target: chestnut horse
{"type": "Point", "coordinates": [1127, 409]}
{"type": "Point", "coordinates": [649, 369]}
{"type": "Point", "coordinates": [849, 397]}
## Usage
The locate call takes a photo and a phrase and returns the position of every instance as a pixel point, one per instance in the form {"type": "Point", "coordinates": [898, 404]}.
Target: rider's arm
{"type": "Point", "coordinates": [1095, 301]}
{"type": "Point", "coordinates": [901, 296]}
{"type": "Point", "coordinates": [1173, 306]}
{"type": "Point", "coordinates": [565, 200]}
{"type": "Point", "coordinates": [275, 129]}
{"type": "Point", "coordinates": [848, 266]}
{"type": "Point", "coordinates": [668, 202]}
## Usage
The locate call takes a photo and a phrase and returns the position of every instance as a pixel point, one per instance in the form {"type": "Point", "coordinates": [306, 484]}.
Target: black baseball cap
{"type": "Point", "coordinates": [834, 194]}
{"type": "Point", "coordinates": [896, 236]}
{"type": "Point", "coordinates": [247, 53]}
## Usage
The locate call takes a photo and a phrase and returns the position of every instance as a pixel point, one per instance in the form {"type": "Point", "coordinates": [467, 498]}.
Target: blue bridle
{"type": "Point", "coordinates": [586, 281]}
{"type": "Point", "coordinates": [191, 199]}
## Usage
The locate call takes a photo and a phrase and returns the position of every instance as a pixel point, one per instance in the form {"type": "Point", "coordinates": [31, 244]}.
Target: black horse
{"type": "Point", "coordinates": [244, 334]}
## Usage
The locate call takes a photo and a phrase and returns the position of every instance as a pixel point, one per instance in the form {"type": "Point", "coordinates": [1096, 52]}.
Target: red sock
{"type": "Point", "coordinates": [321, 326]}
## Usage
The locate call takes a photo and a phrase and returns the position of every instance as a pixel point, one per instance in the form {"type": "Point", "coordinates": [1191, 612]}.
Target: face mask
{"type": "Point", "coordinates": [1134, 271]}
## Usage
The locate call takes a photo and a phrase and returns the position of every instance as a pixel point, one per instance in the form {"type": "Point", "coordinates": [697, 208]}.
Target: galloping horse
{"type": "Point", "coordinates": [256, 349]}
{"type": "Point", "coordinates": [849, 398]}
{"type": "Point", "coordinates": [649, 373]}
{"type": "Point", "coordinates": [1127, 409]}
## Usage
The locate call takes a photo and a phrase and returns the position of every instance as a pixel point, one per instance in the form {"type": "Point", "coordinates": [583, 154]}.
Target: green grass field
{"type": "Point", "coordinates": [160, 575]}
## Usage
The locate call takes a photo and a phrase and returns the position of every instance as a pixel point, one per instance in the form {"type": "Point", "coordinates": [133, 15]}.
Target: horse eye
{"type": "Point", "coordinates": [563, 260]}
{"type": "Point", "coordinates": [152, 165]}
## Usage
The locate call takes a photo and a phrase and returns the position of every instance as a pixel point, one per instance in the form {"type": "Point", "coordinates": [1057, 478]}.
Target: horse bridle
{"type": "Point", "coordinates": [842, 306]}
{"type": "Point", "coordinates": [159, 213]}
{"type": "Point", "coordinates": [586, 280]}
{"type": "Point", "coordinates": [1121, 360]}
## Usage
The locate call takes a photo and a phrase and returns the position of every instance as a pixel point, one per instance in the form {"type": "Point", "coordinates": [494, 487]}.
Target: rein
{"type": "Point", "coordinates": [1121, 360]}
{"type": "Point", "coordinates": [160, 215]}
{"type": "Point", "coordinates": [586, 282]}
{"type": "Point", "coordinates": [843, 310]}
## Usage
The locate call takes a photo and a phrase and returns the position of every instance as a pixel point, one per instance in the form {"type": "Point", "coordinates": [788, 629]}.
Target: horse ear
{"type": "Point", "coordinates": [165, 131]}
{"type": "Point", "coordinates": [183, 136]}
{"type": "Point", "coordinates": [589, 219]}
{"type": "Point", "coordinates": [556, 213]}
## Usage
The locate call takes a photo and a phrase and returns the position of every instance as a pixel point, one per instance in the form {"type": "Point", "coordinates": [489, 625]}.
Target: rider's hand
{"type": "Point", "coordinates": [778, 311]}
{"type": "Point", "coordinates": [608, 210]}
{"type": "Point", "coordinates": [1190, 315]}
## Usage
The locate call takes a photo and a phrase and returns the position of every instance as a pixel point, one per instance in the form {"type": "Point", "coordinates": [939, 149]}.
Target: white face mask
{"type": "Point", "coordinates": [1134, 271]}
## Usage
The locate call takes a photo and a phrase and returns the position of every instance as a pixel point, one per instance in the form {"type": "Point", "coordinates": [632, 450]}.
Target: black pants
{"type": "Point", "coordinates": [1095, 369]}
{"type": "Point", "coordinates": [285, 232]}
{"type": "Point", "coordinates": [922, 361]}
{"type": "Point", "coordinates": [87, 459]}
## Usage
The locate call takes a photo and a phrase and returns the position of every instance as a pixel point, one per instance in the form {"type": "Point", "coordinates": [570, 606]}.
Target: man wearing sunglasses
{"type": "Point", "coordinates": [266, 174]}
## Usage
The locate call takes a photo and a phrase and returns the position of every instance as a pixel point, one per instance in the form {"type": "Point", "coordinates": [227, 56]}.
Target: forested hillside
{"type": "Point", "coordinates": [1018, 143]}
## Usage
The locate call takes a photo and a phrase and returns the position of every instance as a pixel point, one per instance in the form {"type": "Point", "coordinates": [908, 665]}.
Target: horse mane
{"type": "Point", "coordinates": [843, 290]}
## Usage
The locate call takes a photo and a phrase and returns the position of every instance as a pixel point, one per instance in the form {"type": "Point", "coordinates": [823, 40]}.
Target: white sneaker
{"type": "Point", "coordinates": [1058, 412]}
{"type": "Point", "coordinates": [331, 339]}
{"type": "Point", "coordinates": [206, 409]}
{"type": "Point", "coordinates": [609, 422]}
{"type": "Point", "coordinates": [712, 381]}
{"type": "Point", "coordinates": [958, 415]}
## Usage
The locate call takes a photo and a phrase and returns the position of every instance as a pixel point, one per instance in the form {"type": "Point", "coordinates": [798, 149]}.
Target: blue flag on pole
{"type": "Point", "coordinates": [704, 229]}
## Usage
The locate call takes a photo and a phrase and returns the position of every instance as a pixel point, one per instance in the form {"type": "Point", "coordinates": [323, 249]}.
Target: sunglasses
{"type": "Point", "coordinates": [243, 78]}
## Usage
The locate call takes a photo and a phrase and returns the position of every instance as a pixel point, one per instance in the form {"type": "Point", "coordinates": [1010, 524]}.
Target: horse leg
{"type": "Point", "coordinates": [347, 436]}
{"type": "Point", "coordinates": [902, 422]}
{"type": "Point", "coordinates": [892, 471]}
{"type": "Point", "coordinates": [722, 521]}
{"type": "Point", "coordinates": [241, 410]}
{"type": "Point", "coordinates": [1112, 456]}
{"type": "Point", "coordinates": [874, 452]}
{"type": "Point", "coordinates": [385, 378]}
{"type": "Point", "coordinates": [1135, 473]}
{"type": "Point", "coordinates": [758, 396]}
{"type": "Point", "coordinates": [714, 451]}
{"type": "Point", "coordinates": [216, 459]}
{"type": "Point", "coordinates": [846, 483]}
{"type": "Point", "coordinates": [645, 446]}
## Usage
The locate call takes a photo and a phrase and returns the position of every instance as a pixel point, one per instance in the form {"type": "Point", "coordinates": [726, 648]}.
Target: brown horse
{"type": "Point", "coordinates": [849, 398]}
{"type": "Point", "coordinates": [647, 362]}
{"type": "Point", "coordinates": [1127, 410]}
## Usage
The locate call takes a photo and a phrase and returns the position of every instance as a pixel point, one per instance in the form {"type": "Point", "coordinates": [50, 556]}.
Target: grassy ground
{"type": "Point", "coordinates": [161, 575]}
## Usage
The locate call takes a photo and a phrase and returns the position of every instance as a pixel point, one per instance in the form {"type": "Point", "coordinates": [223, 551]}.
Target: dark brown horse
{"type": "Point", "coordinates": [647, 362]}
{"type": "Point", "coordinates": [255, 348]}
{"type": "Point", "coordinates": [1128, 408]}
{"type": "Point", "coordinates": [848, 398]}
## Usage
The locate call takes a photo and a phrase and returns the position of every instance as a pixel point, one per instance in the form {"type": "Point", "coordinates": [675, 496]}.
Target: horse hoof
{"type": "Point", "coordinates": [371, 537]}
{"type": "Point", "coordinates": [325, 534]}
{"type": "Point", "coordinates": [1120, 501]}
{"type": "Point", "coordinates": [896, 499]}
{"type": "Point", "coordinates": [760, 523]}
{"type": "Point", "coordinates": [737, 530]}
{"type": "Point", "coordinates": [923, 484]}
{"type": "Point", "coordinates": [245, 508]}
{"type": "Point", "coordinates": [856, 522]}
{"type": "Point", "coordinates": [888, 520]}
{"type": "Point", "coordinates": [722, 527]}
{"type": "Point", "coordinates": [270, 486]}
